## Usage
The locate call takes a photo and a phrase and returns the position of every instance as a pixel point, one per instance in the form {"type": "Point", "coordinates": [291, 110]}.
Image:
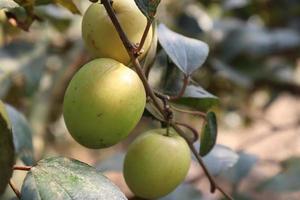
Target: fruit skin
{"type": "Point", "coordinates": [103, 103]}
{"type": "Point", "coordinates": [100, 35]}
{"type": "Point", "coordinates": [156, 164]}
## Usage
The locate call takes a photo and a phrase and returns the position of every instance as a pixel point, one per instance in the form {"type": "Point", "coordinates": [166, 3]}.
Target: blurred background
{"type": "Point", "coordinates": [253, 68]}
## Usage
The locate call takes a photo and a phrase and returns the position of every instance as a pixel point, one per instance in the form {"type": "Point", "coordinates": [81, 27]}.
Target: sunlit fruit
{"type": "Point", "coordinates": [156, 163]}
{"type": "Point", "coordinates": [100, 35]}
{"type": "Point", "coordinates": [103, 103]}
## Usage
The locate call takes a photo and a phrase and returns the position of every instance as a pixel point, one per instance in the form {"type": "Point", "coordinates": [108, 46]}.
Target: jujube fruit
{"type": "Point", "coordinates": [103, 103]}
{"type": "Point", "coordinates": [101, 37]}
{"type": "Point", "coordinates": [156, 163]}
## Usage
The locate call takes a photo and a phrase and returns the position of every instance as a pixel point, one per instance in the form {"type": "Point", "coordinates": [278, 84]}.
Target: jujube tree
{"type": "Point", "coordinates": [106, 99]}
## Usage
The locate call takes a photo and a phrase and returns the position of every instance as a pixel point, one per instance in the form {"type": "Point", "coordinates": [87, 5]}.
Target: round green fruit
{"type": "Point", "coordinates": [103, 103]}
{"type": "Point", "coordinates": [101, 37]}
{"type": "Point", "coordinates": [156, 164]}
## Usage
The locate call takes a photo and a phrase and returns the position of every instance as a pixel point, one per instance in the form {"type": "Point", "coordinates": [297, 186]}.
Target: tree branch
{"type": "Point", "coordinates": [192, 129]}
{"type": "Point", "coordinates": [133, 56]}
{"type": "Point", "coordinates": [147, 28]}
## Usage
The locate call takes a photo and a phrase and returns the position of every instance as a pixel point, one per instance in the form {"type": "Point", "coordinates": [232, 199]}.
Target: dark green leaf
{"type": "Point", "coordinates": [198, 98]}
{"type": "Point", "coordinates": [7, 154]}
{"type": "Point", "coordinates": [220, 159]}
{"type": "Point", "coordinates": [167, 78]}
{"type": "Point", "coordinates": [184, 191]}
{"type": "Point", "coordinates": [287, 180]}
{"type": "Point", "coordinates": [22, 135]}
{"type": "Point", "coordinates": [63, 178]}
{"type": "Point", "coordinates": [209, 134]}
{"type": "Point", "coordinates": [148, 7]}
{"type": "Point", "coordinates": [187, 54]}
{"type": "Point", "coordinates": [152, 111]}
{"type": "Point", "coordinates": [241, 169]}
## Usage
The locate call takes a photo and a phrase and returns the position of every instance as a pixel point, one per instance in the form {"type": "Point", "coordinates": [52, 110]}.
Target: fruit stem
{"type": "Point", "coordinates": [133, 56]}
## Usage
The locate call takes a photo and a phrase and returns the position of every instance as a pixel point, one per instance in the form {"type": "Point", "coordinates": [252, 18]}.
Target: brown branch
{"type": "Point", "coordinates": [198, 113]}
{"type": "Point", "coordinates": [15, 189]}
{"type": "Point", "coordinates": [22, 168]}
{"type": "Point", "coordinates": [192, 129]}
{"type": "Point", "coordinates": [126, 42]}
{"type": "Point", "coordinates": [147, 28]}
{"type": "Point", "coordinates": [133, 56]}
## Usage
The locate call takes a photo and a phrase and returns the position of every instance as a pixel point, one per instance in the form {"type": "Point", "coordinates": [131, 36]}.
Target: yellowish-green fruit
{"type": "Point", "coordinates": [100, 35]}
{"type": "Point", "coordinates": [156, 164]}
{"type": "Point", "coordinates": [103, 103]}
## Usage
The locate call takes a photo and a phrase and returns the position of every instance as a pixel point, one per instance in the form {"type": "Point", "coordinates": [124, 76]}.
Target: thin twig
{"type": "Point", "coordinates": [22, 168]}
{"type": "Point", "coordinates": [149, 91]}
{"type": "Point", "coordinates": [146, 31]}
{"type": "Point", "coordinates": [214, 184]}
{"type": "Point", "coordinates": [198, 113]}
{"type": "Point", "coordinates": [192, 129]}
{"type": "Point", "coordinates": [15, 189]}
{"type": "Point", "coordinates": [132, 55]}
{"type": "Point", "coordinates": [186, 81]}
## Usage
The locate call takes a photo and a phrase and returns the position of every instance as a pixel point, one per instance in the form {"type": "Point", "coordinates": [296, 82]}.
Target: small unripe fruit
{"type": "Point", "coordinates": [103, 103]}
{"type": "Point", "coordinates": [101, 37]}
{"type": "Point", "coordinates": [156, 164]}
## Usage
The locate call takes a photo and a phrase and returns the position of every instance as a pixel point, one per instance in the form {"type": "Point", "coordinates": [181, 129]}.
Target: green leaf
{"type": "Point", "coordinates": [7, 154]}
{"type": "Point", "coordinates": [69, 4]}
{"type": "Point", "coordinates": [198, 98]}
{"type": "Point", "coordinates": [287, 180]}
{"type": "Point", "coordinates": [63, 178]}
{"type": "Point", "coordinates": [187, 54]}
{"type": "Point", "coordinates": [209, 134]}
{"type": "Point", "coordinates": [241, 169]}
{"type": "Point", "coordinates": [22, 135]}
{"type": "Point", "coordinates": [148, 7]}
{"type": "Point", "coordinates": [167, 78]}
{"type": "Point", "coordinates": [152, 111]}
{"type": "Point", "coordinates": [8, 4]}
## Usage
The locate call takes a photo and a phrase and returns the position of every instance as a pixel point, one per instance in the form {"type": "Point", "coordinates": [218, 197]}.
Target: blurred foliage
{"type": "Point", "coordinates": [253, 47]}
